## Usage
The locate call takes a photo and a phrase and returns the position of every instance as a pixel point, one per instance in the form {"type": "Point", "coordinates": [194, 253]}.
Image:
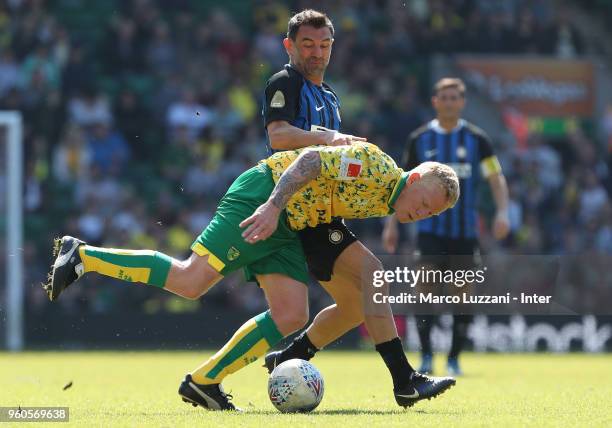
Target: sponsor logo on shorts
{"type": "Point", "coordinates": [335, 236]}
{"type": "Point", "coordinates": [233, 254]}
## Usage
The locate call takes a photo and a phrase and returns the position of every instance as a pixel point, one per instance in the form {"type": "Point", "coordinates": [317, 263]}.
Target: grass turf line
{"type": "Point", "coordinates": [129, 389]}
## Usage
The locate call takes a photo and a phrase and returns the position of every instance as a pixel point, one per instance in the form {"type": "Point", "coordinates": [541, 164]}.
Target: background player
{"type": "Point", "coordinates": [467, 149]}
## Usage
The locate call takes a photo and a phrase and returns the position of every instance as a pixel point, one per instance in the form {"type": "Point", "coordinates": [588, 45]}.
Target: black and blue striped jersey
{"type": "Point", "coordinates": [468, 150]}
{"type": "Point", "coordinates": [291, 97]}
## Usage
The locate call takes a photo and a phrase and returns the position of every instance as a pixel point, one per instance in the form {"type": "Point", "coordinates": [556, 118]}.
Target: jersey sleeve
{"type": "Point", "coordinates": [282, 97]}
{"type": "Point", "coordinates": [409, 157]}
{"type": "Point", "coordinates": [489, 164]}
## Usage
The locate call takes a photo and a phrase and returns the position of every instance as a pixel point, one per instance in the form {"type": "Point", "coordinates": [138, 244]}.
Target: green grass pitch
{"type": "Point", "coordinates": [138, 389]}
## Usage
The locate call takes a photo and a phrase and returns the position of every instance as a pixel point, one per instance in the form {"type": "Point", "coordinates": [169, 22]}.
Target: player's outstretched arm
{"type": "Point", "coordinates": [263, 222]}
{"type": "Point", "coordinates": [284, 136]}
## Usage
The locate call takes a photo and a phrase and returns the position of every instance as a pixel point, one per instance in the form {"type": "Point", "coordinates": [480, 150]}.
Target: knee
{"type": "Point", "coordinates": [290, 320]}
{"type": "Point", "coordinates": [196, 282]}
{"type": "Point", "coordinates": [194, 289]}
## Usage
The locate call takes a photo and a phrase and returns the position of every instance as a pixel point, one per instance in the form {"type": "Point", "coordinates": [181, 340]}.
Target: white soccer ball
{"type": "Point", "coordinates": [295, 386]}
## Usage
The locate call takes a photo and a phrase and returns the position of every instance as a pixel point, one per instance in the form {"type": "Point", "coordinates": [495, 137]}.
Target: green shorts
{"type": "Point", "coordinates": [222, 239]}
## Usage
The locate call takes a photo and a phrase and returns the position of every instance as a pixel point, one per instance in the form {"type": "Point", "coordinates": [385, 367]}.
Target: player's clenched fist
{"type": "Point", "coordinates": [262, 224]}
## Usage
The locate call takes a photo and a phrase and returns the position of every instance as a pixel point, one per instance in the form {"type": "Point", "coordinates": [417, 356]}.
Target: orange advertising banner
{"type": "Point", "coordinates": [535, 86]}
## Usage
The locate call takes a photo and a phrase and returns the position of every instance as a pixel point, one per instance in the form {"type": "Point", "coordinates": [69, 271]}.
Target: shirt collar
{"type": "Point", "coordinates": [435, 125]}
{"type": "Point", "coordinates": [399, 186]}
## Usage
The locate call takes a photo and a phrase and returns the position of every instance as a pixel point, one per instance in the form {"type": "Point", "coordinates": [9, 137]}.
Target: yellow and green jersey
{"type": "Point", "coordinates": [356, 181]}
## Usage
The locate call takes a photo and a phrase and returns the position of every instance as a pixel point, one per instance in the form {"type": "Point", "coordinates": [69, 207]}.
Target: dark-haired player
{"type": "Point", "coordinates": [301, 110]}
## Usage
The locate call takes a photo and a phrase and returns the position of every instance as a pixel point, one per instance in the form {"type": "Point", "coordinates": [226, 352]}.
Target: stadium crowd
{"type": "Point", "coordinates": [138, 114]}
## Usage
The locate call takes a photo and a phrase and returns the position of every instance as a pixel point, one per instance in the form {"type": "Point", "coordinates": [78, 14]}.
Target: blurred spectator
{"type": "Point", "coordinates": [169, 90]}
{"type": "Point", "coordinates": [9, 72]}
{"type": "Point", "coordinates": [32, 199]}
{"type": "Point", "coordinates": [593, 198]}
{"type": "Point", "coordinates": [25, 38]}
{"type": "Point", "coordinates": [177, 156]}
{"type": "Point", "coordinates": [72, 157]}
{"type": "Point", "coordinates": [61, 45]}
{"type": "Point", "coordinates": [45, 114]}
{"type": "Point", "coordinates": [78, 74]}
{"type": "Point", "coordinates": [100, 189]}
{"type": "Point", "coordinates": [109, 151]}
{"type": "Point", "coordinates": [133, 121]}
{"type": "Point", "coordinates": [405, 115]}
{"type": "Point", "coordinates": [242, 101]}
{"type": "Point", "coordinates": [161, 52]}
{"type": "Point", "coordinates": [41, 64]}
{"type": "Point", "coordinates": [225, 119]}
{"type": "Point", "coordinates": [199, 217]}
{"type": "Point", "coordinates": [124, 51]}
{"type": "Point", "coordinates": [88, 108]}
{"type": "Point", "coordinates": [91, 224]}
{"type": "Point", "coordinates": [188, 113]}
{"type": "Point", "coordinates": [232, 46]}
{"type": "Point", "coordinates": [546, 161]}
{"type": "Point", "coordinates": [268, 44]}
{"type": "Point", "coordinates": [129, 218]}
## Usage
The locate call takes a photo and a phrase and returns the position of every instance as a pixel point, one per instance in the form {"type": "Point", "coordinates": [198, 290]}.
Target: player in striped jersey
{"type": "Point", "coordinates": [467, 149]}
{"type": "Point", "coordinates": [301, 110]}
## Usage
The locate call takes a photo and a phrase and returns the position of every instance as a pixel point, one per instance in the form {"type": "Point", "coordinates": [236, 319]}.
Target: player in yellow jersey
{"type": "Point", "coordinates": [255, 228]}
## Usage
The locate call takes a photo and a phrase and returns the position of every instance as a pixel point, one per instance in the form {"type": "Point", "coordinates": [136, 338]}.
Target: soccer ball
{"type": "Point", "coordinates": [295, 386]}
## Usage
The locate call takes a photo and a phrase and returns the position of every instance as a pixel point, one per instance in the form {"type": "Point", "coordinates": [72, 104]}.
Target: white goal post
{"type": "Point", "coordinates": [12, 121]}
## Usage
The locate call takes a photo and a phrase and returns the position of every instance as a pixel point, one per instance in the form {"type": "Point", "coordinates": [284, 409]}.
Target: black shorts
{"type": "Point", "coordinates": [448, 253]}
{"type": "Point", "coordinates": [323, 244]}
